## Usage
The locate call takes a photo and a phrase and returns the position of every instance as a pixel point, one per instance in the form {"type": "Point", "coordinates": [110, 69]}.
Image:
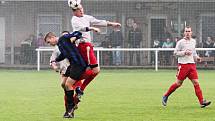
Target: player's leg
{"type": "Point", "coordinates": [171, 89]}
{"type": "Point", "coordinates": [193, 76]}
{"type": "Point", "coordinates": [77, 84]}
{"type": "Point", "coordinates": [90, 78]}
{"type": "Point", "coordinates": [203, 103]}
{"type": "Point", "coordinates": [69, 97]}
{"type": "Point", "coordinates": [76, 73]}
{"type": "Point", "coordinates": [87, 52]}
{"type": "Point", "coordinates": [93, 65]}
{"type": "Point", "coordinates": [84, 49]}
{"type": "Point", "coordinates": [76, 99]}
{"type": "Point", "coordinates": [63, 82]}
{"type": "Point", "coordinates": [181, 76]}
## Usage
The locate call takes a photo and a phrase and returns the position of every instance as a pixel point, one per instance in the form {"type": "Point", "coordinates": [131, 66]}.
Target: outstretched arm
{"type": "Point", "coordinates": [114, 24]}
{"type": "Point", "coordinates": [93, 29]}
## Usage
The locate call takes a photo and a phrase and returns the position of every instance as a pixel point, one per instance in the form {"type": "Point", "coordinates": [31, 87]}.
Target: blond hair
{"type": "Point", "coordinates": [49, 35]}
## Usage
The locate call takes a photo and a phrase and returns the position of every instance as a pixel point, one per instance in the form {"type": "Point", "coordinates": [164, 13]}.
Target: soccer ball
{"type": "Point", "coordinates": [74, 4]}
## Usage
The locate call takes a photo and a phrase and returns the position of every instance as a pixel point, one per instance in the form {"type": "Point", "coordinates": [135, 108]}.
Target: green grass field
{"type": "Point", "coordinates": [115, 95]}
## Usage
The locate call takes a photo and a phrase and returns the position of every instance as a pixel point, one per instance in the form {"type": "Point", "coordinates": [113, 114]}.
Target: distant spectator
{"type": "Point", "coordinates": [168, 43]}
{"type": "Point", "coordinates": [135, 36]}
{"type": "Point", "coordinates": [176, 39]}
{"type": "Point", "coordinates": [28, 41]}
{"type": "Point", "coordinates": [167, 32]}
{"type": "Point", "coordinates": [27, 50]}
{"type": "Point", "coordinates": [40, 40]}
{"type": "Point", "coordinates": [168, 54]}
{"type": "Point", "coordinates": [135, 39]}
{"type": "Point", "coordinates": [156, 44]}
{"type": "Point", "coordinates": [107, 55]}
{"type": "Point", "coordinates": [208, 44]}
{"type": "Point", "coordinates": [116, 39]}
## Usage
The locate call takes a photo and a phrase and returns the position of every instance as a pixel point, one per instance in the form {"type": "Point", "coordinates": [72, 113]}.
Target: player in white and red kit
{"type": "Point", "coordinates": [186, 53]}
{"type": "Point", "coordinates": [84, 24]}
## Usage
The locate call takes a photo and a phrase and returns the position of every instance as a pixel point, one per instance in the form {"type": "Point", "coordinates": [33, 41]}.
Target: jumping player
{"type": "Point", "coordinates": [84, 24]}
{"type": "Point", "coordinates": [62, 68]}
{"type": "Point", "coordinates": [77, 65]}
{"type": "Point", "coordinates": [186, 53]}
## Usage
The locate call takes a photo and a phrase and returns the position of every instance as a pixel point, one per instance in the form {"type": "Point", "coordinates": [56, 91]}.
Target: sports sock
{"type": "Point", "coordinates": [70, 101]}
{"type": "Point", "coordinates": [87, 81]}
{"type": "Point", "coordinates": [198, 92]}
{"type": "Point", "coordinates": [171, 89]}
{"type": "Point", "coordinates": [77, 84]}
{"type": "Point", "coordinates": [76, 100]}
{"type": "Point", "coordinates": [65, 101]}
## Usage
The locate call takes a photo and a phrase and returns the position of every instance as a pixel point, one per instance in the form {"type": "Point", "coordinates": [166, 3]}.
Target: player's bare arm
{"type": "Point", "coordinates": [97, 30]}
{"type": "Point", "coordinates": [197, 59]}
{"type": "Point", "coordinates": [114, 24]}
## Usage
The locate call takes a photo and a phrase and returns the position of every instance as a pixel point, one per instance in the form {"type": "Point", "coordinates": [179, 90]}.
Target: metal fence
{"type": "Point", "coordinates": [134, 57]}
{"type": "Point", "coordinates": [24, 22]}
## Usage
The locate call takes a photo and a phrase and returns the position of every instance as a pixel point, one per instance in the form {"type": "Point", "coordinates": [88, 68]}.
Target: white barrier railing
{"type": "Point", "coordinates": [156, 50]}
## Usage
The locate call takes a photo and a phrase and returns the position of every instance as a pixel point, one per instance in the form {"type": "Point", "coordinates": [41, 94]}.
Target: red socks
{"type": "Point", "coordinates": [198, 92]}
{"type": "Point", "coordinates": [77, 84]}
{"type": "Point", "coordinates": [88, 75]}
{"type": "Point", "coordinates": [171, 89]}
{"type": "Point", "coordinates": [87, 81]}
{"type": "Point", "coordinates": [197, 88]}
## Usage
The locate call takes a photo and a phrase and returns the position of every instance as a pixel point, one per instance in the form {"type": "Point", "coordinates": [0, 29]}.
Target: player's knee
{"type": "Point", "coordinates": [63, 85]}
{"type": "Point", "coordinates": [179, 83]}
{"type": "Point", "coordinates": [68, 86]}
{"type": "Point", "coordinates": [195, 82]}
{"type": "Point", "coordinates": [96, 70]}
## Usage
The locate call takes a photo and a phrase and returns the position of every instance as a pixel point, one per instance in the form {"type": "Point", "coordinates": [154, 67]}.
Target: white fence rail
{"type": "Point", "coordinates": [98, 50]}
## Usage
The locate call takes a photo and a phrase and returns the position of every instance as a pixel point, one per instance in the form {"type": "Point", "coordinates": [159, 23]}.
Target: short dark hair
{"type": "Point", "coordinates": [74, 9]}
{"type": "Point", "coordinates": [65, 32]}
{"type": "Point", "coordinates": [49, 35]}
{"type": "Point", "coordinates": [40, 34]}
{"type": "Point", "coordinates": [188, 27]}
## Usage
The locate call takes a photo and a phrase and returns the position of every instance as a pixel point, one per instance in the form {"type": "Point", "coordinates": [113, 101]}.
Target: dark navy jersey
{"type": "Point", "coordinates": [69, 50]}
{"type": "Point", "coordinates": [76, 34]}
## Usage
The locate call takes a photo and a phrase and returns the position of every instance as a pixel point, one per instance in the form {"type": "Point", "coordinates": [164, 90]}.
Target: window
{"type": "Point", "coordinates": [97, 38]}
{"type": "Point", "coordinates": [208, 26]}
{"type": "Point", "coordinates": [157, 29]}
{"type": "Point", "coordinates": [47, 23]}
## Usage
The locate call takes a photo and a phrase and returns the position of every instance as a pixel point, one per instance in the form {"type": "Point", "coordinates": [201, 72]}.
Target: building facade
{"type": "Point", "coordinates": [157, 20]}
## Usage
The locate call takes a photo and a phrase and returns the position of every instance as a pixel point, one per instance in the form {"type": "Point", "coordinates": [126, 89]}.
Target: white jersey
{"type": "Point", "coordinates": [183, 45]}
{"type": "Point", "coordinates": [62, 65]}
{"type": "Point", "coordinates": [80, 24]}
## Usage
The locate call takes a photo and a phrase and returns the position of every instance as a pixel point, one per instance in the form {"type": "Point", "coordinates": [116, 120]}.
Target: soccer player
{"type": "Point", "coordinates": [77, 65]}
{"type": "Point", "coordinates": [186, 53]}
{"type": "Point", "coordinates": [84, 23]}
{"type": "Point", "coordinates": [62, 68]}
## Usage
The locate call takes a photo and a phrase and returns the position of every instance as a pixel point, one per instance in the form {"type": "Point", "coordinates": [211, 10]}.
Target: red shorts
{"type": "Point", "coordinates": [187, 70]}
{"type": "Point", "coordinates": [82, 47]}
